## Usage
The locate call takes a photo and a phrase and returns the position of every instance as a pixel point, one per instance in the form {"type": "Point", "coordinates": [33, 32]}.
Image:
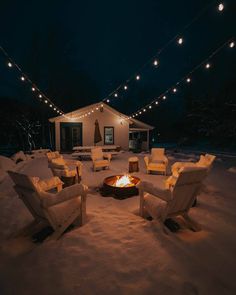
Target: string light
{"type": "Point", "coordinates": [186, 78]}
{"type": "Point", "coordinates": [180, 41]}
{"type": "Point", "coordinates": [232, 44]}
{"type": "Point", "coordinates": [178, 38]}
{"type": "Point", "coordinates": [156, 102]}
{"type": "Point", "coordinates": [150, 107]}
{"type": "Point", "coordinates": [108, 100]}
{"type": "Point", "coordinates": [155, 62]}
{"type": "Point", "coordinates": [144, 110]}
{"type": "Point", "coordinates": [221, 7]}
{"type": "Point", "coordinates": [125, 87]}
{"type": "Point", "coordinates": [116, 95]}
{"type": "Point", "coordinates": [46, 101]}
{"type": "Point", "coordinates": [50, 105]}
{"type": "Point", "coordinates": [23, 77]}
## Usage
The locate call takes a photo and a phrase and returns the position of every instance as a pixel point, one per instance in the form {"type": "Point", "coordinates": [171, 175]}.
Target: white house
{"type": "Point", "coordinates": [77, 128]}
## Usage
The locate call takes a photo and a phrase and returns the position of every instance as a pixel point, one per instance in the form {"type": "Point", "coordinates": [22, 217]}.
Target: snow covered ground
{"type": "Point", "coordinates": [118, 252]}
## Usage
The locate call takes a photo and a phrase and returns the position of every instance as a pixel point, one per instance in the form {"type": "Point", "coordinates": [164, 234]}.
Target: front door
{"type": "Point", "coordinates": [71, 136]}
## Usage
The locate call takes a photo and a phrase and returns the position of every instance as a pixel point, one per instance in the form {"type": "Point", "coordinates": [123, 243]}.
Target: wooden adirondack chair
{"type": "Point", "coordinates": [58, 210]}
{"type": "Point", "coordinates": [176, 200]}
{"type": "Point", "coordinates": [100, 159]}
{"type": "Point", "coordinates": [157, 161]}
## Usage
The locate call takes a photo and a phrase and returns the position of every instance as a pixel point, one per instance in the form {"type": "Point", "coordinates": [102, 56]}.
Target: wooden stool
{"type": "Point", "coordinates": [133, 164]}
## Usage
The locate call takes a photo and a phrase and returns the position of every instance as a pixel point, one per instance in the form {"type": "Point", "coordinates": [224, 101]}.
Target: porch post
{"type": "Point", "coordinates": [147, 140]}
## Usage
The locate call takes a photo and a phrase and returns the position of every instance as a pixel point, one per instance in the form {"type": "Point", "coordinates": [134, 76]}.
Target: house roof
{"type": "Point", "coordinates": [133, 122]}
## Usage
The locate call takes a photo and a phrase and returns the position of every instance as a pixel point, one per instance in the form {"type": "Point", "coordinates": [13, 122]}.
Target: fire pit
{"type": "Point", "coordinates": [120, 186]}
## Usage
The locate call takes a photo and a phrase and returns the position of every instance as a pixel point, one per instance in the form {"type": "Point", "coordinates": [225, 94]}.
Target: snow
{"type": "Point", "coordinates": [118, 252]}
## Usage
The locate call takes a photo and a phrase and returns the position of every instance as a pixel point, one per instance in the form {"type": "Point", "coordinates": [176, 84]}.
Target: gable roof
{"type": "Point", "coordinates": [134, 122]}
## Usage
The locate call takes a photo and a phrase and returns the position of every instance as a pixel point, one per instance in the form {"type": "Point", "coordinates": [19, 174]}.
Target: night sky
{"type": "Point", "coordinates": [77, 52]}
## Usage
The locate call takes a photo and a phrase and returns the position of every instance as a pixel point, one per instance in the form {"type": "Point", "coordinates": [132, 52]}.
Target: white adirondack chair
{"type": "Point", "coordinates": [176, 200]}
{"type": "Point", "coordinates": [59, 209]}
{"type": "Point", "coordinates": [64, 167]}
{"type": "Point", "coordinates": [157, 161]}
{"type": "Point", "coordinates": [204, 161]}
{"type": "Point", "coordinates": [100, 159]}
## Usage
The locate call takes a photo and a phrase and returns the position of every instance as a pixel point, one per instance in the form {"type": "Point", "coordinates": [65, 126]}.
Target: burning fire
{"type": "Point", "coordinates": [124, 181]}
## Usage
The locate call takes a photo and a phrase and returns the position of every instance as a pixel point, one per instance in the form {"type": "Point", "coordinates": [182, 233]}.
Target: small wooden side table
{"type": "Point", "coordinates": [133, 164]}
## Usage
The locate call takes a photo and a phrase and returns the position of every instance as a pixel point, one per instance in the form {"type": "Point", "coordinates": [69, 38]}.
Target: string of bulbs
{"type": "Point", "coordinates": [186, 79]}
{"type": "Point", "coordinates": [154, 60]}
{"type": "Point", "coordinates": [33, 87]}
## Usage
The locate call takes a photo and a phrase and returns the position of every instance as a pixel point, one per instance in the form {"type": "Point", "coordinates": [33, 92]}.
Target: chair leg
{"type": "Point", "coordinates": [193, 225]}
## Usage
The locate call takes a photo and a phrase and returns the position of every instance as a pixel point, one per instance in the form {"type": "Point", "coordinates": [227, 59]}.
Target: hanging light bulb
{"type": "Point", "coordinates": [232, 44]}
{"type": "Point", "coordinates": [9, 64]}
{"type": "Point", "coordinates": [125, 87]}
{"type": "Point", "coordinates": [144, 110]}
{"type": "Point", "coordinates": [54, 109]}
{"type": "Point", "coordinates": [180, 41]}
{"type": "Point", "coordinates": [40, 96]}
{"type": "Point", "coordinates": [174, 90]}
{"type": "Point", "coordinates": [22, 78]}
{"type": "Point", "coordinates": [221, 7]}
{"type": "Point", "coordinates": [150, 107]}
{"type": "Point", "coordinates": [164, 97]}
{"type": "Point", "coordinates": [57, 111]}
{"type": "Point", "coordinates": [108, 100]}
{"type": "Point", "coordinates": [155, 62]}
{"type": "Point", "coordinates": [116, 95]}
{"type": "Point", "coordinates": [137, 77]}
{"type": "Point", "coordinates": [46, 101]}
{"type": "Point", "coordinates": [50, 105]}
{"type": "Point", "coordinates": [156, 102]}
{"type": "Point", "coordinates": [207, 66]}
{"type": "Point", "coordinates": [188, 80]}
{"type": "Point", "coordinates": [140, 112]}
{"type": "Point", "coordinates": [33, 89]}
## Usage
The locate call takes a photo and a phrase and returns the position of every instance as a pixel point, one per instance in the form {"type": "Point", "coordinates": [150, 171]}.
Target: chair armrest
{"type": "Point", "coordinates": [146, 160]}
{"type": "Point", "coordinates": [50, 183]}
{"type": "Point", "coordinates": [164, 194]}
{"type": "Point", "coordinates": [73, 162]}
{"type": "Point", "coordinates": [107, 156]}
{"type": "Point", "coordinates": [71, 192]}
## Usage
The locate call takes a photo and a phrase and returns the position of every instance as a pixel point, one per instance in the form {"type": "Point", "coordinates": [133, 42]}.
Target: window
{"type": "Point", "coordinates": [108, 135]}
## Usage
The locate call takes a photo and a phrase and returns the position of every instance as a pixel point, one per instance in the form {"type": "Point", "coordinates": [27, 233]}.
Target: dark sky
{"type": "Point", "coordinates": [79, 51]}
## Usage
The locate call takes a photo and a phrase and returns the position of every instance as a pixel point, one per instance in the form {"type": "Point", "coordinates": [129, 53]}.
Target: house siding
{"type": "Point", "coordinates": [105, 118]}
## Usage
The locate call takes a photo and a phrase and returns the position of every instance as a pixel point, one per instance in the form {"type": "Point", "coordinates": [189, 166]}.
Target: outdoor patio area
{"type": "Point", "coordinates": [118, 252]}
